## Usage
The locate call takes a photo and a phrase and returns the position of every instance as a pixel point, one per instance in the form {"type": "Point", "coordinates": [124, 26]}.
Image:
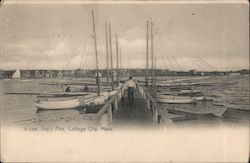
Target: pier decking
{"type": "Point", "coordinates": [144, 113]}
{"type": "Point", "coordinates": [133, 116]}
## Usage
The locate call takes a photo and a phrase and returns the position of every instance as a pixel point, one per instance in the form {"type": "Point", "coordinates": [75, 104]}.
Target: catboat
{"type": "Point", "coordinates": [173, 99]}
{"type": "Point", "coordinates": [86, 101]}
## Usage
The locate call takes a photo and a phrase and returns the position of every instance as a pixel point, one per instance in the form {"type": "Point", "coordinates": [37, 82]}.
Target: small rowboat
{"type": "Point", "coordinates": [58, 105]}
{"type": "Point", "coordinates": [197, 95]}
{"type": "Point", "coordinates": [171, 99]}
{"type": "Point", "coordinates": [51, 102]}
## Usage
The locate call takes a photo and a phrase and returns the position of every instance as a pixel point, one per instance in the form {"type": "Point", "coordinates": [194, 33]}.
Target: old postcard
{"type": "Point", "coordinates": [124, 81]}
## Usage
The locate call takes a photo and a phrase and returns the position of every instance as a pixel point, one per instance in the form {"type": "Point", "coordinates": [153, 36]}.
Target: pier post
{"type": "Point", "coordinates": [159, 119]}
{"type": "Point", "coordinates": [119, 95]}
{"type": "Point", "coordinates": [110, 114]}
{"type": "Point", "coordinates": [155, 114]}
{"type": "Point", "coordinates": [115, 104]}
{"type": "Point", "coordinates": [148, 104]}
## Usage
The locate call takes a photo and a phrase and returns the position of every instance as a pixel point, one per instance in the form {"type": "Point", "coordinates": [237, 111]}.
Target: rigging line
{"type": "Point", "coordinates": [84, 56]}
{"type": "Point", "coordinates": [88, 56]}
{"type": "Point", "coordinates": [166, 59]}
{"type": "Point", "coordinates": [163, 58]}
{"type": "Point", "coordinates": [191, 51]}
{"type": "Point", "coordinates": [102, 51]}
{"type": "Point", "coordinates": [172, 58]}
{"type": "Point", "coordinates": [165, 53]}
{"type": "Point", "coordinates": [205, 62]}
{"type": "Point", "coordinates": [75, 54]}
{"type": "Point", "coordinates": [176, 46]}
{"type": "Point", "coordinates": [204, 65]}
{"type": "Point", "coordinates": [47, 51]}
{"type": "Point", "coordinates": [198, 64]}
{"type": "Point", "coordinates": [92, 59]}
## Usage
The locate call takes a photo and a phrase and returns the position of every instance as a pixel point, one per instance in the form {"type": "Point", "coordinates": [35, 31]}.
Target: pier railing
{"type": "Point", "coordinates": [160, 116]}
{"type": "Point", "coordinates": [105, 114]}
{"type": "Point", "coordinates": [110, 107]}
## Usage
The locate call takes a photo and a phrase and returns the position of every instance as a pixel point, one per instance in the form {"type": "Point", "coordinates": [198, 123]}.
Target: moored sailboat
{"type": "Point", "coordinates": [90, 99]}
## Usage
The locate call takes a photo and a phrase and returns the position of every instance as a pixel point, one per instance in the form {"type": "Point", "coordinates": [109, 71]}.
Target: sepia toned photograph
{"type": "Point", "coordinates": [124, 81]}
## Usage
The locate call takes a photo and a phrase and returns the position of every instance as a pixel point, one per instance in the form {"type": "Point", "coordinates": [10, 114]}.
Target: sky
{"type": "Point", "coordinates": [201, 36]}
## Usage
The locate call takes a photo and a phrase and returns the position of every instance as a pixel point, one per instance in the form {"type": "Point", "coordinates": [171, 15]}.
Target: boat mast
{"type": "Point", "coordinates": [147, 57]}
{"type": "Point", "coordinates": [155, 76]}
{"type": "Point", "coordinates": [107, 52]}
{"type": "Point", "coordinates": [96, 56]}
{"type": "Point", "coordinates": [152, 55]}
{"type": "Point", "coordinates": [111, 57]}
{"type": "Point", "coordinates": [120, 62]}
{"type": "Point", "coordinates": [117, 60]}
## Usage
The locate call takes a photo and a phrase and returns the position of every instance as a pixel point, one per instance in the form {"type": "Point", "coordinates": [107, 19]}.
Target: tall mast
{"type": "Point", "coordinates": [152, 54]}
{"type": "Point", "coordinates": [120, 62]}
{"type": "Point", "coordinates": [111, 57]}
{"type": "Point", "coordinates": [107, 52]}
{"type": "Point", "coordinates": [155, 75]}
{"type": "Point", "coordinates": [147, 57]}
{"type": "Point", "coordinates": [117, 60]}
{"type": "Point", "coordinates": [96, 56]}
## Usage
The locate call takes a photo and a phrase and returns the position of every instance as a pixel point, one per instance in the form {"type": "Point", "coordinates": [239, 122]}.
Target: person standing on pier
{"type": "Point", "coordinates": [131, 86]}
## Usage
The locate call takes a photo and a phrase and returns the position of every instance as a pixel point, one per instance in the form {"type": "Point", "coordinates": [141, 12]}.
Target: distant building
{"type": "Point", "coordinates": [68, 72]}
{"type": "Point", "coordinates": [99, 74]}
{"type": "Point", "coordinates": [244, 72]}
{"type": "Point", "coordinates": [80, 73]}
{"type": "Point", "coordinates": [193, 72]}
{"type": "Point", "coordinates": [26, 73]}
{"type": "Point", "coordinates": [60, 74]}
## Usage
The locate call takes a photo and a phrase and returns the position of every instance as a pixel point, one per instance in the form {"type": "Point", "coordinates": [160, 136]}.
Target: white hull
{"type": "Point", "coordinates": [200, 98]}
{"type": "Point", "coordinates": [97, 100]}
{"type": "Point", "coordinates": [175, 99]}
{"type": "Point", "coordinates": [50, 102]}
{"type": "Point", "coordinates": [57, 105]}
{"type": "Point", "coordinates": [196, 95]}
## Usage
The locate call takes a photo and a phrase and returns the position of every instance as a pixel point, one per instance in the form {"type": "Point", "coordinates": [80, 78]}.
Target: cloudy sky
{"type": "Point", "coordinates": [212, 36]}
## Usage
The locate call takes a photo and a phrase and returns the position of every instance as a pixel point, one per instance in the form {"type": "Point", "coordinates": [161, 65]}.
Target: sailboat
{"type": "Point", "coordinates": [162, 98]}
{"type": "Point", "coordinates": [89, 102]}
{"type": "Point", "coordinates": [16, 75]}
{"type": "Point", "coordinates": [95, 104]}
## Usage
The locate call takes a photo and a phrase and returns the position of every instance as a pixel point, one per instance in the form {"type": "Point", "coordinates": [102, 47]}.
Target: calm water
{"type": "Point", "coordinates": [19, 110]}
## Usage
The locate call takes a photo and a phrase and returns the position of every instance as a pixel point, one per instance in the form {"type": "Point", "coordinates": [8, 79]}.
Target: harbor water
{"type": "Point", "coordinates": [20, 111]}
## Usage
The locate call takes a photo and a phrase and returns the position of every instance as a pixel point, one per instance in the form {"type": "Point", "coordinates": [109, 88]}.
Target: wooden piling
{"type": "Point", "coordinates": [115, 104]}
{"type": "Point", "coordinates": [110, 114]}
{"type": "Point", "coordinates": [155, 115]}
{"type": "Point", "coordinates": [148, 104]}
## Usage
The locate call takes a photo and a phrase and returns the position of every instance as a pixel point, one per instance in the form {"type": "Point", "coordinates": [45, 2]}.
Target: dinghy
{"type": "Point", "coordinates": [197, 95]}
{"type": "Point", "coordinates": [172, 99]}
{"type": "Point", "coordinates": [58, 105]}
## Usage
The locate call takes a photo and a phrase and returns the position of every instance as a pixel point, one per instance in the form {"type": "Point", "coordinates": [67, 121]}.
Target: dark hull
{"type": "Point", "coordinates": [90, 109]}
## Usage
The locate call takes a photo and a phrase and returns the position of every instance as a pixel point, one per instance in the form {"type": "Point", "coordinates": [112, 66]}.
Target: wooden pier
{"type": "Point", "coordinates": [133, 116]}
{"type": "Point", "coordinates": [145, 112]}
